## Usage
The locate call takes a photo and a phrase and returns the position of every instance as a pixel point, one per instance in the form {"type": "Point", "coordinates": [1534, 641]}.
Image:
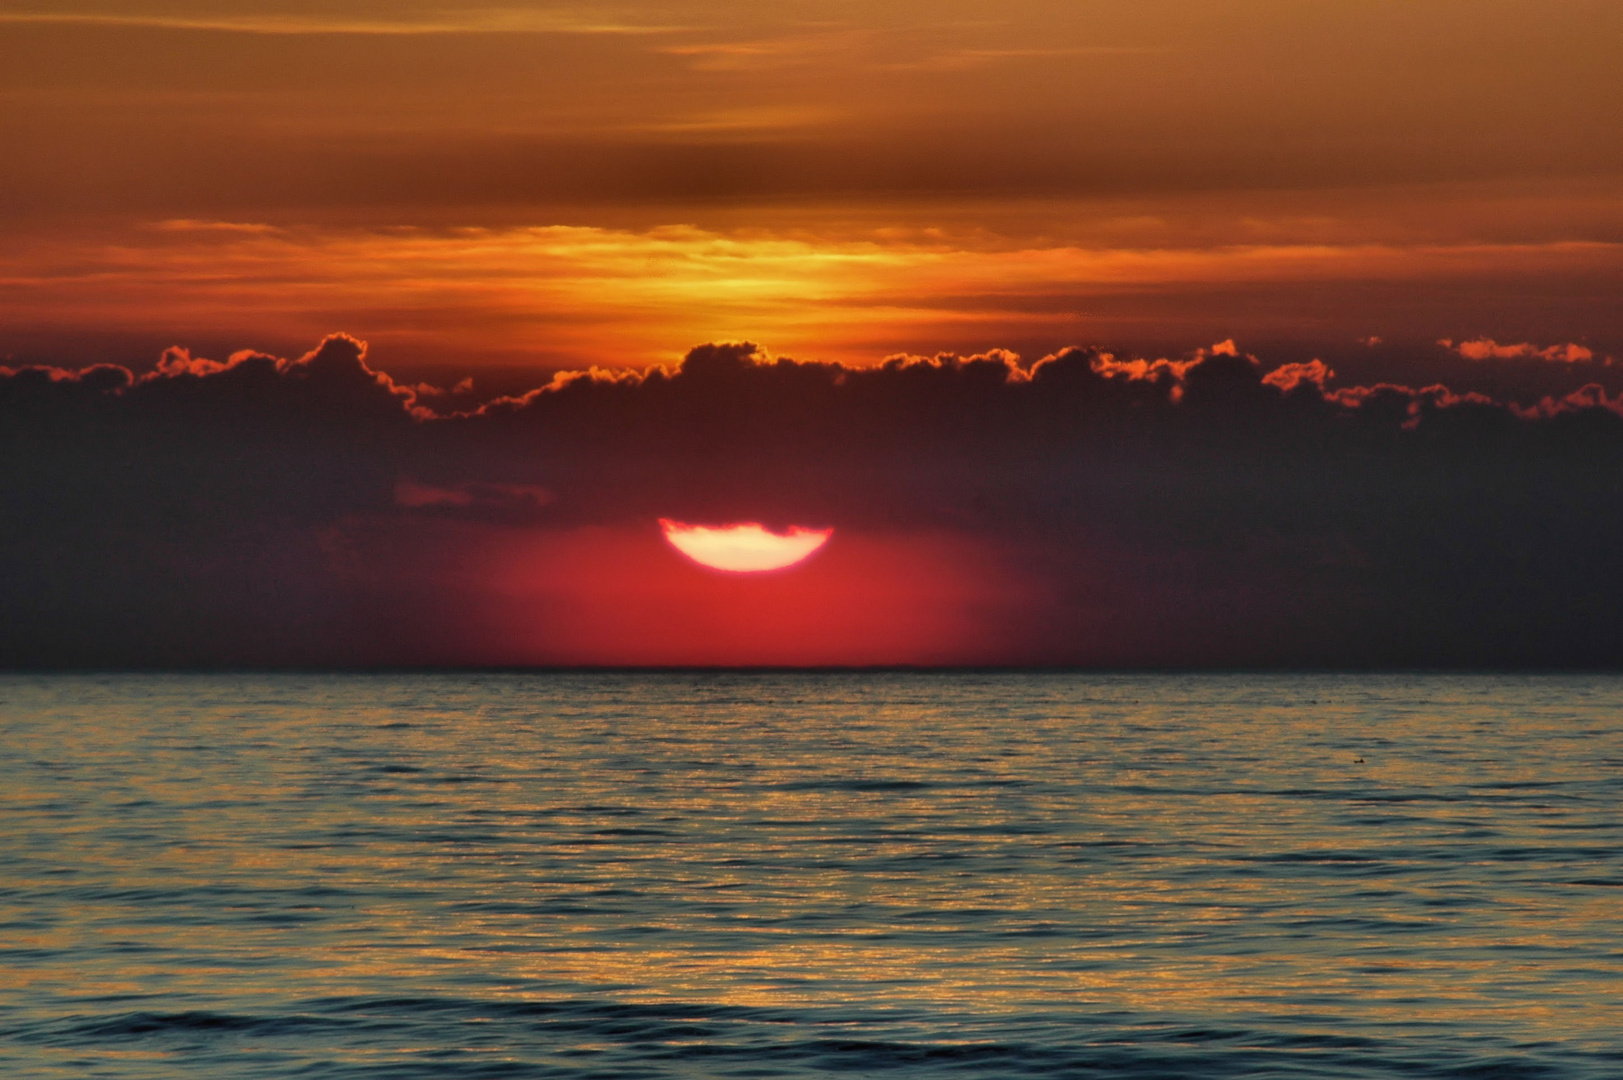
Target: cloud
{"type": "Point", "coordinates": [565, 297]}
{"type": "Point", "coordinates": [195, 225]}
{"type": "Point", "coordinates": [1086, 508]}
{"type": "Point", "coordinates": [1488, 349]}
{"type": "Point", "coordinates": [1288, 377]}
{"type": "Point", "coordinates": [492, 498]}
{"type": "Point", "coordinates": [485, 20]}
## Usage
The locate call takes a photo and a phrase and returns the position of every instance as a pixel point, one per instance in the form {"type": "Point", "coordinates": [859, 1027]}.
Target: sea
{"type": "Point", "coordinates": [770, 874]}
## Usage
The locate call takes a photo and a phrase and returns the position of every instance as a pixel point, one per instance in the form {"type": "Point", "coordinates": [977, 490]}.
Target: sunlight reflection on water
{"type": "Point", "coordinates": [717, 874]}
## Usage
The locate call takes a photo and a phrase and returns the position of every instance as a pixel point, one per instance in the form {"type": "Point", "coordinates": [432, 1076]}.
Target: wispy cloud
{"type": "Point", "coordinates": [576, 295]}
{"type": "Point", "coordinates": [968, 59]}
{"type": "Point", "coordinates": [475, 21]}
{"type": "Point", "coordinates": [199, 225]}
{"type": "Point", "coordinates": [1488, 349]}
{"type": "Point", "coordinates": [769, 53]}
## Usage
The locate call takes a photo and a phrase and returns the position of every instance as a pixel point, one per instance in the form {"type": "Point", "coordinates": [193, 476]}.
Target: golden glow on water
{"type": "Point", "coordinates": [1020, 843]}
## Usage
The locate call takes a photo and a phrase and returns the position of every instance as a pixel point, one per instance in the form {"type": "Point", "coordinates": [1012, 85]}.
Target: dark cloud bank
{"type": "Point", "coordinates": [1202, 512]}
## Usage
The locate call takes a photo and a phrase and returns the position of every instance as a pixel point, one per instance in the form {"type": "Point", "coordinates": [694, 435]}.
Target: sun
{"type": "Point", "coordinates": [743, 548]}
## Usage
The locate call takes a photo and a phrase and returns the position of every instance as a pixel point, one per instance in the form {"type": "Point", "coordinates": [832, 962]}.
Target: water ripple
{"type": "Point", "coordinates": [739, 875]}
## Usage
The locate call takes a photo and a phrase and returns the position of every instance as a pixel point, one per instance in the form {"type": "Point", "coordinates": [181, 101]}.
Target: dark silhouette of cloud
{"type": "Point", "coordinates": [1207, 510]}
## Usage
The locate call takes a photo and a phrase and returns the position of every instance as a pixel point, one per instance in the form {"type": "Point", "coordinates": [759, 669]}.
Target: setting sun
{"type": "Point", "coordinates": [743, 548]}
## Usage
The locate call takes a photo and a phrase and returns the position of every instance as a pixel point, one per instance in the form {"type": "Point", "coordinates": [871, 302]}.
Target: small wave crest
{"type": "Point", "coordinates": [405, 1038]}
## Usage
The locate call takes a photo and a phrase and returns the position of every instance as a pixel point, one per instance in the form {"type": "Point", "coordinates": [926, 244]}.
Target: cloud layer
{"type": "Point", "coordinates": [1088, 509]}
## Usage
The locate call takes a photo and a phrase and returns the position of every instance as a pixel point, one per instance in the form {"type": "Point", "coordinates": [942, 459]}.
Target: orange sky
{"type": "Point", "coordinates": [536, 186]}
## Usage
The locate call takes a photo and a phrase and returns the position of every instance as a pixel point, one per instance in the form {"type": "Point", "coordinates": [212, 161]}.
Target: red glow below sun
{"type": "Point", "coordinates": [743, 548]}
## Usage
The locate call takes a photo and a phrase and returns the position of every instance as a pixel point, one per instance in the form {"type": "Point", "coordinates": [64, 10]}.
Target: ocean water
{"type": "Point", "coordinates": [758, 875]}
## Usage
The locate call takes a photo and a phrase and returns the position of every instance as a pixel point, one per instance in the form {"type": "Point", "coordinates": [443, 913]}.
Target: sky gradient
{"type": "Point", "coordinates": [1297, 330]}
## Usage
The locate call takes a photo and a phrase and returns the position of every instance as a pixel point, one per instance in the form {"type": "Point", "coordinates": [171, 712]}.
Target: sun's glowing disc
{"type": "Point", "coordinates": [744, 548]}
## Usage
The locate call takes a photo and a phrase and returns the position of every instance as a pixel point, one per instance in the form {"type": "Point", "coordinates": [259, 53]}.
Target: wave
{"type": "Point", "coordinates": [405, 1038]}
